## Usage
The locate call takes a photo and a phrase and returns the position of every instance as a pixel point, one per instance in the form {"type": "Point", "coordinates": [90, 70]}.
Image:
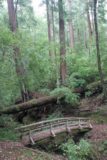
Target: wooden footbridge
{"type": "Point", "coordinates": [50, 128]}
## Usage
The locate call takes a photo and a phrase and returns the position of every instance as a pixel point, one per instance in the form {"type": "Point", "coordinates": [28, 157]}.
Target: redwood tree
{"type": "Point", "coordinates": [17, 57]}
{"type": "Point", "coordinates": [89, 23]}
{"type": "Point", "coordinates": [49, 25]}
{"type": "Point", "coordinates": [63, 70]}
{"type": "Point", "coordinates": [98, 50]}
{"type": "Point", "coordinates": [70, 26]}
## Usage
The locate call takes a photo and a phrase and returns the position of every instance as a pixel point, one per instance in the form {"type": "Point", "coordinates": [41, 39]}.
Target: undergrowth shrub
{"type": "Point", "coordinates": [84, 66]}
{"type": "Point", "coordinates": [56, 114]}
{"type": "Point", "coordinates": [81, 151]}
{"type": "Point", "coordinates": [7, 128]}
{"type": "Point", "coordinates": [44, 91]}
{"type": "Point", "coordinates": [93, 88]}
{"type": "Point", "coordinates": [76, 81]}
{"type": "Point", "coordinates": [70, 97]}
{"type": "Point", "coordinates": [103, 148]}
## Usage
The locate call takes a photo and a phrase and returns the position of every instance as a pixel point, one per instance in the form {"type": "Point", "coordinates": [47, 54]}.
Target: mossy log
{"type": "Point", "coordinates": [29, 105]}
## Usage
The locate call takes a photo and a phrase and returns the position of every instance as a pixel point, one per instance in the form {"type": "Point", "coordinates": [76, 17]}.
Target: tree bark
{"type": "Point", "coordinates": [49, 26]}
{"type": "Point", "coordinates": [63, 69]}
{"type": "Point", "coordinates": [12, 16]}
{"type": "Point", "coordinates": [85, 40]}
{"type": "Point", "coordinates": [89, 24]}
{"type": "Point", "coordinates": [98, 50]}
{"type": "Point", "coordinates": [17, 57]}
{"type": "Point", "coordinates": [71, 34]}
{"type": "Point", "coordinates": [53, 24]}
{"type": "Point", "coordinates": [34, 103]}
{"type": "Point", "coordinates": [70, 25]}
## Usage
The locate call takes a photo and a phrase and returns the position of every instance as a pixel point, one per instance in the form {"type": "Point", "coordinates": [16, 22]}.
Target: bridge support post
{"type": "Point", "coordinates": [80, 126]}
{"type": "Point", "coordinates": [52, 132]}
{"type": "Point", "coordinates": [31, 139]}
{"type": "Point", "coordinates": [90, 125]}
{"type": "Point", "coordinates": [67, 128]}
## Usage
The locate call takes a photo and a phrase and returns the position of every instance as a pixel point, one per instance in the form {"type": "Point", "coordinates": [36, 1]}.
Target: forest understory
{"type": "Point", "coordinates": [53, 72]}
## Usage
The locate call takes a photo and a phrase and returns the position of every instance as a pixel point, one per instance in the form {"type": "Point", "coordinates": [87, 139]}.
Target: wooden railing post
{"type": "Point", "coordinates": [80, 126]}
{"type": "Point", "coordinates": [51, 131]}
{"type": "Point", "coordinates": [90, 125]}
{"type": "Point", "coordinates": [31, 139]}
{"type": "Point", "coordinates": [67, 127]}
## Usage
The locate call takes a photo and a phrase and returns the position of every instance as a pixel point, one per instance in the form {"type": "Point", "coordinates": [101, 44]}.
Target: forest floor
{"type": "Point", "coordinates": [16, 151]}
{"type": "Point", "coordinates": [98, 133]}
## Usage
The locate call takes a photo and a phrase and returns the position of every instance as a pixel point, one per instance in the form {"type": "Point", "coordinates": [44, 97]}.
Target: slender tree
{"type": "Point", "coordinates": [53, 24]}
{"type": "Point", "coordinates": [49, 25]}
{"type": "Point", "coordinates": [98, 50]}
{"type": "Point", "coordinates": [90, 26]}
{"type": "Point", "coordinates": [70, 26]}
{"type": "Point", "coordinates": [63, 69]}
{"type": "Point", "coordinates": [89, 23]}
{"type": "Point", "coordinates": [54, 41]}
{"type": "Point", "coordinates": [20, 71]}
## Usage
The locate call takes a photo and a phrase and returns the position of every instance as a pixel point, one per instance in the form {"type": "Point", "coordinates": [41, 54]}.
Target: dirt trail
{"type": "Point", "coordinates": [98, 133]}
{"type": "Point", "coordinates": [16, 151]}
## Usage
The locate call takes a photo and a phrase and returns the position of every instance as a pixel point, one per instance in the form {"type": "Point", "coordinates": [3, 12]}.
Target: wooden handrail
{"type": "Point", "coordinates": [43, 125]}
{"type": "Point", "coordinates": [48, 127]}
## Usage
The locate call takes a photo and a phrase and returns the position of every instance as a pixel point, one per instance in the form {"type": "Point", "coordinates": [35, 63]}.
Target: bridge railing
{"type": "Point", "coordinates": [54, 123]}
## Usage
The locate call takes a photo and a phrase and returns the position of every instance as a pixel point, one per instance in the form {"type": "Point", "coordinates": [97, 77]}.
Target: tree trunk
{"type": "Point", "coordinates": [71, 34]}
{"type": "Point", "coordinates": [98, 50]}
{"type": "Point", "coordinates": [17, 57]}
{"type": "Point", "coordinates": [70, 25]}
{"type": "Point", "coordinates": [12, 16]}
{"type": "Point", "coordinates": [34, 103]}
{"type": "Point", "coordinates": [89, 24]}
{"type": "Point", "coordinates": [85, 40]}
{"type": "Point", "coordinates": [54, 42]}
{"type": "Point", "coordinates": [53, 25]}
{"type": "Point", "coordinates": [49, 26]}
{"type": "Point", "coordinates": [63, 70]}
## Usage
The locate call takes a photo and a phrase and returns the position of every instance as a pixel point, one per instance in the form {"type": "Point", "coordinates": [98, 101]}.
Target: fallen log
{"type": "Point", "coordinates": [30, 104]}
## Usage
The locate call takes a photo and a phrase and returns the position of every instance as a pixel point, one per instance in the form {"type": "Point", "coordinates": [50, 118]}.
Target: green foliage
{"type": "Point", "coordinates": [88, 94]}
{"type": "Point", "coordinates": [70, 97]}
{"type": "Point", "coordinates": [81, 151]}
{"type": "Point", "coordinates": [103, 148]}
{"type": "Point", "coordinates": [75, 81]}
{"type": "Point", "coordinates": [34, 57]}
{"type": "Point", "coordinates": [8, 78]}
{"type": "Point", "coordinates": [7, 129]}
{"type": "Point", "coordinates": [93, 88]}
{"type": "Point", "coordinates": [100, 116]}
{"type": "Point", "coordinates": [44, 91]}
{"type": "Point", "coordinates": [56, 114]}
{"type": "Point", "coordinates": [83, 66]}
